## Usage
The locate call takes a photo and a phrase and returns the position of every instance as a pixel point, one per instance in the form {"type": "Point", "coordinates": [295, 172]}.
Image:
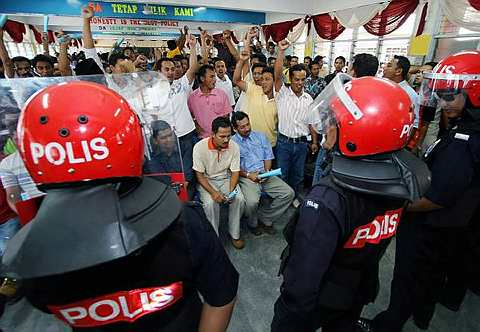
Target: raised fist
{"type": "Point", "coordinates": [192, 41]}
{"type": "Point", "coordinates": [87, 12]}
{"type": "Point", "coordinates": [252, 33]}
{"type": "Point", "coordinates": [283, 45]}
{"type": "Point", "coordinates": [227, 34]}
{"type": "Point", "coordinates": [244, 56]}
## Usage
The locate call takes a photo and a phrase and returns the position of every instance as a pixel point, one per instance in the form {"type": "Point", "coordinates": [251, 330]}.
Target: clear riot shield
{"type": "Point", "coordinates": [146, 92]}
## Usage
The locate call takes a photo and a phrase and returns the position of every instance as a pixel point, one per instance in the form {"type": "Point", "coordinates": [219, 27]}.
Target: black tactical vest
{"type": "Point", "coordinates": [151, 289]}
{"type": "Point", "coordinates": [371, 222]}
{"type": "Point", "coordinates": [459, 214]}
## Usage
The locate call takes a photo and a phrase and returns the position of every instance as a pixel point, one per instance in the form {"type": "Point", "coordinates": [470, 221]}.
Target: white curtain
{"type": "Point", "coordinates": [356, 17]}
{"type": "Point", "coordinates": [297, 31]}
{"type": "Point", "coordinates": [461, 13]}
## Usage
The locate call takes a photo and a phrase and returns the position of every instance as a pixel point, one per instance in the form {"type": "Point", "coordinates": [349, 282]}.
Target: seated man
{"type": "Point", "coordinates": [216, 162]}
{"type": "Point", "coordinates": [256, 157]}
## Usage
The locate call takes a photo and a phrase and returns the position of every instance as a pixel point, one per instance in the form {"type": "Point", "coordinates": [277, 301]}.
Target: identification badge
{"type": "Point", "coordinates": [463, 137]}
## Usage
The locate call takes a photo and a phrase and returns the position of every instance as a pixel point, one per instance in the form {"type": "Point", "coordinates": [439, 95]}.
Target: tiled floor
{"type": "Point", "coordinates": [258, 265]}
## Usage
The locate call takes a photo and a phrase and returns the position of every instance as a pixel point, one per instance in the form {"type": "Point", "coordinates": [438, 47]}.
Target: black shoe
{"type": "Point", "coordinates": [450, 305]}
{"type": "Point", "coordinates": [365, 325]}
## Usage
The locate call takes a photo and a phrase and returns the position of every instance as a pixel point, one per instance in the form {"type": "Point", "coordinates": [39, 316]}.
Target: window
{"type": "Point", "coordinates": [341, 48]}
{"type": "Point", "coordinates": [366, 46]}
{"type": "Point", "coordinates": [447, 46]}
{"type": "Point", "coordinates": [452, 38]}
{"type": "Point", "coordinates": [393, 47]}
{"type": "Point", "coordinates": [322, 47]}
{"type": "Point", "coordinates": [299, 50]}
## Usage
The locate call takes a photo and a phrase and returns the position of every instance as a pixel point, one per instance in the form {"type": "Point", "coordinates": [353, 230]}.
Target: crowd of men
{"type": "Point", "coordinates": [269, 89]}
{"type": "Point", "coordinates": [236, 115]}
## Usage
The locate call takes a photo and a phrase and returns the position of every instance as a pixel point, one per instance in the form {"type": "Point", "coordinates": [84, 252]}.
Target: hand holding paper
{"type": "Point", "coordinates": [232, 194]}
{"type": "Point", "coordinates": [275, 172]}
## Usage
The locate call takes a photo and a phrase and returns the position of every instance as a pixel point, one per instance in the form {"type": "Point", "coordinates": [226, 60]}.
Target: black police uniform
{"type": "Point", "coordinates": [153, 287]}
{"type": "Point", "coordinates": [431, 244]}
{"type": "Point", "coordinates": [330, 267]}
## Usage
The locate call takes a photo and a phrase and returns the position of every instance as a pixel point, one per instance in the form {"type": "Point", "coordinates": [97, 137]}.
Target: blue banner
{"type": "Point", "coordinates": [131, 10]}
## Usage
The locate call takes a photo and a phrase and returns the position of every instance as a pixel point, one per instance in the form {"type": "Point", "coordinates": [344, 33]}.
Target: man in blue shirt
{"type": "Point", "coordinates": [255, 158]}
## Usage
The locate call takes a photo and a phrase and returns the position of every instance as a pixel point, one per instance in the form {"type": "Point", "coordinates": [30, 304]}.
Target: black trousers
{"type": "Point", "coordinates": [429, 263]}
{"type": "Point", "coordinates": [328, 319]}
{"type": "Point", "coordinates": [401, 290]}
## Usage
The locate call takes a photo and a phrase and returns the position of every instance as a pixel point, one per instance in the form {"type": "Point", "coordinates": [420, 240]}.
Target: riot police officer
{"type": "Point", "coordinates": [430, 248]}
{"type": "Point", "coordinates": [330, 268]}
{"type": "Point", "coordinates": [110, 250]}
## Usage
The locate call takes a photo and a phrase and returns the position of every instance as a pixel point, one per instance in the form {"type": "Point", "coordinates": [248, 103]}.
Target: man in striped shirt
{"type": "Point", "coordinates": [15, 178]}
{"type": "Point", "coordinates": [294, 118]}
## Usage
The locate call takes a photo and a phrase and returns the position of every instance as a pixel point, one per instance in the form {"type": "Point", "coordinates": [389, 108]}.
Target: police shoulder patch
{"type": "Point", "coordinates": [311, 204]}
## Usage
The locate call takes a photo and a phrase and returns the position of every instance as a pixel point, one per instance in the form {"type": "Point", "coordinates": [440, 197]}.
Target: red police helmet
{"type": "Point", "coordinates": [79, 131]}
{"type": "Point", "coordinates": [373, 115]}
{"type": "Point", "coordinates": [457, 73]}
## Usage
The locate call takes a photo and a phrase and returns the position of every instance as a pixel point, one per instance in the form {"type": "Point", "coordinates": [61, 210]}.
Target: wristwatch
{"type": "Point", "coordinates": [248, 175]}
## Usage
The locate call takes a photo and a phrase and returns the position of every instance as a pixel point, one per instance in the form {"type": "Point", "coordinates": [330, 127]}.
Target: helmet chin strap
{"type": "Point", "coordinates": [339, 82]}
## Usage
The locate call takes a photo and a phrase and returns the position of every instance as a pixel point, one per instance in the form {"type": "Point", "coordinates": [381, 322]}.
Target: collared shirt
{"type": "Point", "coordinates": [214, 163]}
{"type": "Point", "coordinates": [226, 85]}
{"type": "Point", "coordinates": [254, 150]}
{"type": "Point", "coordinates": [313, 86]}
{"type": "Point", "coordinates": [240, 105]}
{"type": "Point", "coordinates": [294, 113]}
{"type": "Point", "coordinates": [415, 101]}
{"type": "Point", "coordinates": [206, 107]}
{"type": "Point", "coordinates": [331, 76]}
{"type": "Point", "coordinates": [261, 111]}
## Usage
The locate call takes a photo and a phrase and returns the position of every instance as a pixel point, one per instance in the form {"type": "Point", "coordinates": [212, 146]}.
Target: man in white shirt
{"type": "Point", "coordinates": [396, 70]}
{"type": "Point", "coordinates": [176, 113]}
{"type": "Point", "coordinates": [182, 124]}
{"type": "Point", "coordinates": [223, 81]}
{"type": "Point", "coordinates": [294, 119]}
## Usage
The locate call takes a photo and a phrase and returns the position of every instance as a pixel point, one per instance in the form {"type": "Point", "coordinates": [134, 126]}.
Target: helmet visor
{"type": "Point", "coordinates": [438, 88]}
{"type": "Point", "coordinates": [322, 116]}
{"type": "Point", "coordinates": [147, 93]}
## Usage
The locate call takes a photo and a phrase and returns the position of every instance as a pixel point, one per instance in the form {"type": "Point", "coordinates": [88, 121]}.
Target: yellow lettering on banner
{"type": "Point", "coordinates": [114, 7]}
{"type": "Point", "coordinates": [183, 11]}
{"type": "Point", "coordinates": [135, 8]}
{"type": "Point", "coordinates": [163, 10]}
